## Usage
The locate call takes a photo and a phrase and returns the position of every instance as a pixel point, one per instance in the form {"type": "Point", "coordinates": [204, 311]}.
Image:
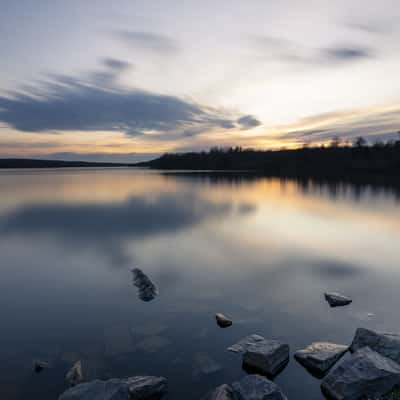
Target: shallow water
{"type": "Point", "coordinates": [262, 251]}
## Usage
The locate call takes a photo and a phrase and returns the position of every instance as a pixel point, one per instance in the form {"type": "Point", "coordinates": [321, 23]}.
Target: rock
{"type": "Point", "coordinates": [256, 387]}
{"type": "Point", "coordinates": [366, 374]}
{"type": "Point", "coordinates": [319, 357]}
{"type": "Point", "coordinates": [386, 344]}
{"type": "Point", "coordinates": [337, 300]}
{"type": "Point", "coordinates": [223, 392]}
{"type": "Point", "coordinates": [75, 374]}
{"type": "Point", "coordinates": [242, 345]}
{"type": "Point", "coordinates": [266, 356]}
{"type": "Point", "coordinates": [222, 320]}
{"type": "Point", "coordinates": [146, 387]}
{"type": "Point", "coordinates": [39, 365]}
{"type": "Point", "coordinates": [134, 388]}
{"type": "Point", "coordinates": [205, 364]}
{"type": "Point", "coordinates": [147, 288]}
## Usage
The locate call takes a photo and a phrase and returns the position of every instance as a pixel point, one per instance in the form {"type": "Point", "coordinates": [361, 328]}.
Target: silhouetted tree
{"type": "Point", "coordinates": [360, 142]}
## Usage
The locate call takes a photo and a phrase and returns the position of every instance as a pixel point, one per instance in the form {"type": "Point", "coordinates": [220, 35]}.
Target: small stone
{"type": "Point", "coordinates": [386, 344]}
{"type": "Point", "coordinates": [39, 366]}
{"type": "Point", "coordinates": [223, 392]}
{"type": "Point", "coordinates": [336, 299]}
{"type": "Point", "coordinates": [242, 345]}
{"type": "Point", "coordinates": [320, 356]}
{"type": "Point", "coordinates": [266, 356]}
{"type": "Point", "coordinates": [75, 374]}
{"type": "Point", "coordinates": [256, 387]}
{"type": "Point", "coordinates": [147, 288]}
{"type": "Point", "coordinates": [222, 320]}
{"type": "Point", "coordinates": [366, 373]}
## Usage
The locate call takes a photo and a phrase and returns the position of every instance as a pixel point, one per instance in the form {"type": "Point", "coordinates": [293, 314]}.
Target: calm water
{"type": "Point", "coordinates": [262, 251]}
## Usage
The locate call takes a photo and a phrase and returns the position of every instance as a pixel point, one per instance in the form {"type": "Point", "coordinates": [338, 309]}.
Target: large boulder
{"type": "Point", "coordinates": [319, 357]}
{"type": "Point", "coordinates": [336, 299]}
{"type": "Point", "coordinates": [366, 374]}
{"type": "Point", "coordinates": [386, 344]}
{"type": "Point", "coordinates": [242, 345]}
{"type": "Point", "coordinates": [256, 387]}
{"type": "Point", "coordinates": [223, 392]}
{"type": "Point", "coordinates": [267, 356]}
{"type": "Point", "coordinates": [134, 388]}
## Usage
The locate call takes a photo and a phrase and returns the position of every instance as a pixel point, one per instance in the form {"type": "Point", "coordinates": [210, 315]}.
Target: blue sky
{"type": "Point", "coordinates": [127, 80]}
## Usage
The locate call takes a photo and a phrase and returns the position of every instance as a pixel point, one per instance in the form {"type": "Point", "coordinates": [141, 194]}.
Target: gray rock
{"type": "Point", "coordinates": [75, 374]}
{"type": "Point", "coordinates": [366, 374]}
{"type": "Point", "coordinates": [320, 356]}
{"type": "Point", "coordinates": [386, 344]}
{"type": "Point", "coordinates": [266, 356]}
{"type": "Point", "coordinates": [223, 392]}
{"type": "Point", "coordinates": [39, 365]}
{"type": "Point", "coordinates": [147, 288]}
{"type": "Point", "coordinates": [134, 388]}
{"type": "Point", "coordinates": [256, 387]}
{"type": "Point", "coordinates": [336, 299]}
{"type": "Point", "coordinates": [146, 387]}
{"type": "Point", "coordinates": [222, 320]}
{"type": "Point", "coordinates": [242, 345]}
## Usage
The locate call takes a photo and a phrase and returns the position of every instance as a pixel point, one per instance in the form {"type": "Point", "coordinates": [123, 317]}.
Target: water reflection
{"type": "Point", "coordinates": [260, 250]}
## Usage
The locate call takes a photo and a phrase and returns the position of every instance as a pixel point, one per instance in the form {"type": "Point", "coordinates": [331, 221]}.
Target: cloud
{"type": "Point", "coordinates": [290, 52]}
{"type": "Point", "coordinates": [148, 41]}
{"type": "Point", "coordinates": [248, 121]}
{"type": "Point", "coordinates": [98, 103]}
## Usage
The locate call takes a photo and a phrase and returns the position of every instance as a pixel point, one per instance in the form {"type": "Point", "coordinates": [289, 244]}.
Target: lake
{"type": "Point", "coordinates": [260, 250]}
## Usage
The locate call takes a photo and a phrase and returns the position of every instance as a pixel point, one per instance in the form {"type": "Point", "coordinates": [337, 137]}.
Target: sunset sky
{"type": "Point", "coordinates": [128, 80]}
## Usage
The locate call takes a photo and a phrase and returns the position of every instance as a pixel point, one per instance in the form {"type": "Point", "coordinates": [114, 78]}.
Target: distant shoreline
{"type": "Point", "coordinates": [28, 163]}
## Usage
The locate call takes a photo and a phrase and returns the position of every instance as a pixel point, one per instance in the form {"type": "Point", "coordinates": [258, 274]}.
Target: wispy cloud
{"type": "Point", "coordinates": [98, 103]}
{"type": "Point", "coordinates": [148, 41]}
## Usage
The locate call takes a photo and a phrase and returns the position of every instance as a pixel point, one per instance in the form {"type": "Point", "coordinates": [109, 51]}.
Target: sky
{"type": "Point", "coordinates": [128, 80]}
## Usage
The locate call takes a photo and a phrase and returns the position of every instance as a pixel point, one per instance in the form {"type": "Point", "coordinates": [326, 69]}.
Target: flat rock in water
{"type": "Point", "coordinates": [223, 392]}
{"type": "Point", "coordinates": [320, 356]}
{"type": "Point", "coordinates": [386, 344]}
{"type": "Point", "coordinates": [242, 345]}
{"type": "Point", "coordinates": [256, 387]}
{"type": "Point", "coordinates": [336, 299]}
{"type": "Point", "coordinates": [146, 387]}
{"type": "Point", "coordinates": [366, 374]}
{"type": "Point", "coordinates": [75, 374]}
{"type": "Point", "coordinates": [118, 340]}
{"type": "Point", "coordinates": [222, 320]}
{"type": "Point", "coordinates": [266, 356]}
{"type": "Point", "coordinates": [147, 288]}
{"type": "Point", "coordinates": [205, 364]}
{"type": "Point", "coordinates": [134, 388]}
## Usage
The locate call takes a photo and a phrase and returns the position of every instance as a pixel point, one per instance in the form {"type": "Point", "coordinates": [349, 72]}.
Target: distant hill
{"type": "Point", "coordinates": [34, 163]}
{"type": "Point", "coordinates": [381, 160]}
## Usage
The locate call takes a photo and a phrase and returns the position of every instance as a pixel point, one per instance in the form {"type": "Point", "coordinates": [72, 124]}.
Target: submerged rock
{"type": "Point", "coordinates": [386, 344]}
{"type": "Point", "coordinates": [223, 392]}
{"type": "Point", "coordinates": [134, 388]}
{"type": "Point", "coordinates": [75, 374]}
{"type": "Point", "coordinates": [222, 320]}
{"type": "Point", "coordinates": [242, 345]}
{"type": "Point", "coordinates": [39, 365]}
{"type": "Point", "coordinates": [366, 374]}
{"type": "Point", "coordinates": [319, 357]}
{"type": "Point", "coordinates": [266, 356]}
{"type": "Point", "coordinates": [205, 364]}
{"type": "Point", "coordinates": [336, 299]}
{"type": "Point", "coordinates": [147, 288]}
{"type": "Point", "coordinates": [256, 387]}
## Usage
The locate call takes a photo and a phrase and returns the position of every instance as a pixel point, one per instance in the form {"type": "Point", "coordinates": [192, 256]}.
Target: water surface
{"type": "Point", "coordinates": [260, 250]}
